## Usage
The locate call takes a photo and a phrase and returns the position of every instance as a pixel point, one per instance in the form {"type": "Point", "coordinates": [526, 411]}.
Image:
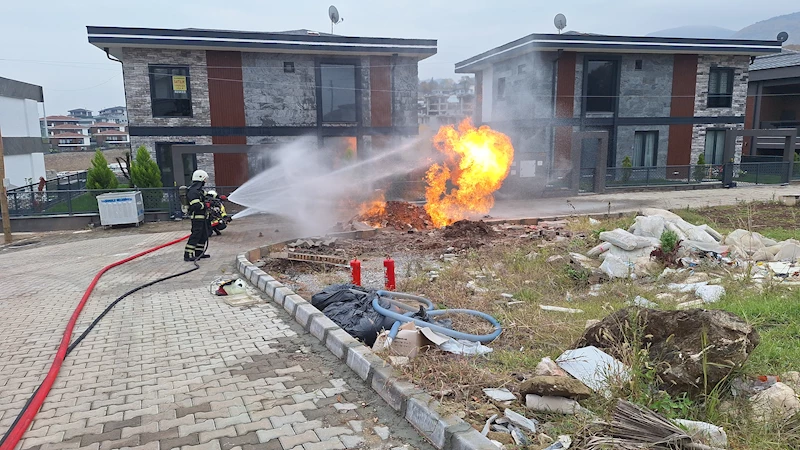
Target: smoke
{"type": "Point", "coordinates": [302, 185]}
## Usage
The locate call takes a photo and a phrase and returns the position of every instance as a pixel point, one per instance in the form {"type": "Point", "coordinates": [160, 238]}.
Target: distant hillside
{"type": "Point", "coordinates": [769, 29]}
{"type": "Point", "coordinates": [696, 31]}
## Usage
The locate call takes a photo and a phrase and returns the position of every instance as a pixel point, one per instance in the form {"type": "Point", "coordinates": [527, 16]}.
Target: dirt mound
{"type": "Point", "coordinates": [400, 216]}
{"type": "Point", "coordinates": [468, 229]}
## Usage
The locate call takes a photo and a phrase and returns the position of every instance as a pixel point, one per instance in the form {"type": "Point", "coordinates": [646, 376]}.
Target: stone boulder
{"type": "Point", "coordinates": [676, 341]}
{"type": "Point", "coordinates": [555, 387]}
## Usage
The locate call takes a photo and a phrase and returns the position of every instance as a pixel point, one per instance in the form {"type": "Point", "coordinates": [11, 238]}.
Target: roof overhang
{"type": "Point", "coordinates": [114, 39]}
{"type": "Point", "coordinates": [20, 90]}
{"type": "Point", "coordinates": [615, 44]}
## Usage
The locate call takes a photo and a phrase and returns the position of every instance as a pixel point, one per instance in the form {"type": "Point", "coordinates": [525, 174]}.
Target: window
{"type": "Point", "coordinates": [720, 88]}
{"type": "Point", "coordinates": [601, 79]}
{"type": "Point", "coordinates": [521, 68]}
{"type": "Point", "coordinates": [338, 82]}
{"type": "Point", "coordinates": [288, 67]}
{"type": "Point", "coordinates": [638, 64]}
{"type": "Point", "coordinates": [645, 148]}
{"type": "Point", "coordinates": [170, 91]}
{"type": "Point", "coordinates": [715, 145]}
{"type": "Point", "coordinates": [501, 88]}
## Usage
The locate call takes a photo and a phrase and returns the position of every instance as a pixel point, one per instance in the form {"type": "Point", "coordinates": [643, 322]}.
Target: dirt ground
{"type": "Point", "coordinates": [76, 161]}
{"type": "Point", "coordinates": [756, 216]}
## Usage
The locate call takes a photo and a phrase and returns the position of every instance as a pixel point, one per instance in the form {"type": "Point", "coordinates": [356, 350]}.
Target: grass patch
{"type": "Point", "coordinates": [539, 273]}
{"type": "Point", "coordinates": [80, 204]}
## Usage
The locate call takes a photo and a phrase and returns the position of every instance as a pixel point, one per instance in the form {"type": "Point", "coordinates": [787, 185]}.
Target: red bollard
{"type": "Point", "coordinates": [355, 268]}
{"type": "Point", "coordinates": [388, 273]}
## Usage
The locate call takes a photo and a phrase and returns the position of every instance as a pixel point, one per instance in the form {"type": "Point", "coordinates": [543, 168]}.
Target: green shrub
{"type": "Point", "coordinates": [99, 176]}
{"type": "Point", "coordinates": [669, 240]}
{"type": "Point", "coordinates": [144, 171]}
{"type": "Point", "coordinates": [700, 168]}
{"type": "Point", "coordinates": [627, 169]}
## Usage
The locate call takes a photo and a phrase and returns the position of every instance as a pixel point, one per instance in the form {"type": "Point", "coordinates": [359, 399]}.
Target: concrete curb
{"type": "Point", "coordinates": [419, 408]}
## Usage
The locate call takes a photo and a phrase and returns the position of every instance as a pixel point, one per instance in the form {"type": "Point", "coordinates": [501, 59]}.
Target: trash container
{"type": "Point", "coordinates": [121, 208]}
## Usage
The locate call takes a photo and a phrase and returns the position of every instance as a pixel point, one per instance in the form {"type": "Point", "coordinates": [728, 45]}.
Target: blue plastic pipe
{"type": "Point", "coordinates": [403, 318]}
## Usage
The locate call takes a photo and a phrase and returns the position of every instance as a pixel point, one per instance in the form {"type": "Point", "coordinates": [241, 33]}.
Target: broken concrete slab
{"type": "Point", "coordinates": [521, 421]}
{"type": "Point", "coordinates": [596, 369]}
{"type": "Point", "coordinates": [555, 386]}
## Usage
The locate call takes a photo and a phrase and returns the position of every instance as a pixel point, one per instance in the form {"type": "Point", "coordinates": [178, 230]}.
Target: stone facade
{"type": "Point", "coordinates": [646, 92]}
{"type": "Point", "coordinates": [273, 97]}
{"type": "Point", "coordinates": [135, 72]}
{"type": "Point", "coordinates": [741, 76]}
{"type": "Point", "coordinates": [404, 98]}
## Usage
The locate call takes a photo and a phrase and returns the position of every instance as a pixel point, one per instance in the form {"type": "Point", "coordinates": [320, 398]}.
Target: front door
{"type": "Point", "coordinates": [164, 160]}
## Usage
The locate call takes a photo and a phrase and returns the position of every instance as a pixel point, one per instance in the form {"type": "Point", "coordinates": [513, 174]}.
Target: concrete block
{"type": "Point", "coordinates": [281, 293]}
{"type": "Point", "coordinates": [262, 282]}
{"type": "Point", "coordinates": [338, 341]}
{"type": "Point", "coordinates": [362, 361]}
{"type": "Point", "coordinates": [470, 440]}
{"type": "Point", "coordinates": [271, 287]}
{"type": "Point", "coordinates": [320, 325]}
{"type": "Point", "coordinates": [303, 314]}
{"type": "Point", "coordinates": [392, 390]}
{"type": "Point", "coordinates": [254, 274]}
{"type": "Point", "coordinates": [421, 412]}
{"type": "Point", "coordinates": [291, 302]}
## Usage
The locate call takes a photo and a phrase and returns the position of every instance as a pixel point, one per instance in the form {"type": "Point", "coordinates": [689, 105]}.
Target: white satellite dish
{"type": "Point", "coordinates": [560, 22]}
{"type": "Point", "coordinates": [333, 14]}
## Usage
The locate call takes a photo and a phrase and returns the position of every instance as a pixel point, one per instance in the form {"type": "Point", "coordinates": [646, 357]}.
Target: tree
{"type": "Point", "coordinates": [99, 176]}
{"type": "Point", "coordinates": [144, 171]}
{"type": "Point", "coordinates": [700, 168]}
{"type": "Point", "coordinates": [627, 169]}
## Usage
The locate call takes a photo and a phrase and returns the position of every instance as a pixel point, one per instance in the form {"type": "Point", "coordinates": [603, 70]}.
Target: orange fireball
{"type": "Point", "coordinates": [478, 160]}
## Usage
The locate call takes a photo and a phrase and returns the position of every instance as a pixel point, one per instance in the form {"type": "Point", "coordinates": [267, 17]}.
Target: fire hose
{"type": "Point", "coordinates": [34, 403]}
{"type": "Point", "coordinates": [430, 311]}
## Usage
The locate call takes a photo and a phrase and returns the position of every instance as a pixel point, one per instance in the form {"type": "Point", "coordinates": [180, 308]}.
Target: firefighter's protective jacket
{"type": "Point", "coordinates": [196, 198]}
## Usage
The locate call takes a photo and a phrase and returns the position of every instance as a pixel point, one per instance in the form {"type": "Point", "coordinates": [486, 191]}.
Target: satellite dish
{"type": "Point", "coordinates": [783, 36]}
{"type": "Point", "coordinates": [560, 22]}
{"type": "Point", "coordinates": [333, 14]}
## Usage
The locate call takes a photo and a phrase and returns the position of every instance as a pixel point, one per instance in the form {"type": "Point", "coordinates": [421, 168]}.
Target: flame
{"type": "Point", "coordinates": [478, 160]}
{"type": "Point", "coordinates": [373, 208]}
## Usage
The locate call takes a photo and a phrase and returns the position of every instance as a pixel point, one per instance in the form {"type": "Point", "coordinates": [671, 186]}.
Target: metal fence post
{"type": "Point", "coordinates": [647, 176]}
{"type": "Point", "coordinates": [758, 171]}
{"type": "Point", "coordinates": [69, 202]}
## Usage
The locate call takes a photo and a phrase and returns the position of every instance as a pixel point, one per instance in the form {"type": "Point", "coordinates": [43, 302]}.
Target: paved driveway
{"type": "Point", "coordinates": [173, 366]}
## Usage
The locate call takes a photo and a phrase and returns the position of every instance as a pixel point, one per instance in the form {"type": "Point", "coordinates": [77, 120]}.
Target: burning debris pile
{"type": "Point", "coordinates": [477, 162]}
{"type": "Point", "coordinates": [468, 228]}
{"type": "Point", "coordinates": [401, 216]}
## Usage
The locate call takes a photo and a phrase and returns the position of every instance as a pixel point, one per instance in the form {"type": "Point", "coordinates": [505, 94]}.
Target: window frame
{"type": "Point", "coordinates": [721, 99]}
{"type": "Point", "coordinates": [643, 149]}
{"type": "Point", "coordinates": [615, 80]}
{"type": "Point", "coordinates": [320, 89]}
{"type": "Point", "coordinates": [501, 88]}
{"type": "Point", "coordinates": [716, 131]}
{"type": "Point", "coordinates": [151, 76]}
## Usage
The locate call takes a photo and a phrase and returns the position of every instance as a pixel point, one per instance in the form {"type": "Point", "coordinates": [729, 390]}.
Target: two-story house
{"type": "Point", "coordinates": [23, 146]}
{"type": "Point", "coordinates": [233, 94]}
{"type": "Point", "coordinates": [662, 101]}
{"type": "Point", "coordinates": [116, 114]}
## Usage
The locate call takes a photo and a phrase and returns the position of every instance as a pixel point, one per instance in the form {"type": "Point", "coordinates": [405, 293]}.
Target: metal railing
{"type": "Point", "coordinates": [84, 201]}
{"type": "Point", "coordinates": [74, 181]}
{"type": "Point", "coordinates": [766, 172]}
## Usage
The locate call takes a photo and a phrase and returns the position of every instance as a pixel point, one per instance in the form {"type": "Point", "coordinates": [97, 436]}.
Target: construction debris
{"type": "Point", "coordinates": [550, 404]}
{"type": "Point", "coordinates": [555, 386]}
{"type": "Point", "coordinates": [500, 395]}
{"type": "Point", "coordinates": [521, 421]}
{"type": "Point", "coordinates": [595, 368]}
{"type": "Point", "coordinates": [696, 346]}
{"type": "Point", "coordinates": [778, 402]}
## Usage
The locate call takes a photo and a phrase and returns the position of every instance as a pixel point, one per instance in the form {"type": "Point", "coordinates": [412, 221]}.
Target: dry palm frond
{"type": "Point", "coordinates": [634, 428]}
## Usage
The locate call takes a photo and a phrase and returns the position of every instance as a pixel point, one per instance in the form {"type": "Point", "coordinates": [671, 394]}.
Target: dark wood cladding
{"type": "Point", "coordinates": [226, 99]}
{"type": "Point", "coordinates": [565, 105]}
{"type": "Point", "coordinates": [749, 116]}
{"type": "Point", "coordinates": [684, 80]}
{"type": "Point", "coordinates": [380, 83]}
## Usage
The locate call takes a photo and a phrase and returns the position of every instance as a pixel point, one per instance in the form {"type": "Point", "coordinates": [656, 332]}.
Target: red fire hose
{"type": "Point", "coordinates": [14, 435]}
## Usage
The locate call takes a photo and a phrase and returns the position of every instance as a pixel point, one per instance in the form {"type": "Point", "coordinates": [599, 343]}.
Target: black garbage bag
{"type": "Point", "coordinates": [350, 307]}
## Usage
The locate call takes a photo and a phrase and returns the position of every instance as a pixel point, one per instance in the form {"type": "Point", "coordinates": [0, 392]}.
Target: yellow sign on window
{"type": "Point", "coordinates": [179, 84]}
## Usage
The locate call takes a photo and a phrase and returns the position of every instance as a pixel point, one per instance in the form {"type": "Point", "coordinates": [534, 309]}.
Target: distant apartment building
{"type": "Point", "coordinates": [115, 114]}
{"type": "Point", "coordinates": [109, 135]}
{"type": "Point", "coordinates": [447, 106]}
{"type": "Point", "coordinates": [80, 113]}
{"type": "Point", "coordinates": [23, 145]}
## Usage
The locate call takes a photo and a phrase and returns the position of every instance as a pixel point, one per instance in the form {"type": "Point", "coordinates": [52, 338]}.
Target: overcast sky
{"type": "Point", "coordinates": [44, 42]}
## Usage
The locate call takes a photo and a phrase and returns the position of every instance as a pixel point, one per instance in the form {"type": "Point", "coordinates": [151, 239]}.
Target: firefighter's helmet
{"type": "Point", "coordinates": [199, 175]}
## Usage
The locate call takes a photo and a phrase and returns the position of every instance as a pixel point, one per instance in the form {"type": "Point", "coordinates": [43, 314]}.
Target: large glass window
{"type": "Point", "coordinates": [170, 91]}
{"type": "Point", "coordinates": [720, 88]}
{"type": "Point", "coordinates": [715, 145]}
{"type": "Point", "coordinates": [601, 89]}
{"type": "Point", "coordinates": [338, 82]}
{"type": "Point", "coordinates": [645, 145]}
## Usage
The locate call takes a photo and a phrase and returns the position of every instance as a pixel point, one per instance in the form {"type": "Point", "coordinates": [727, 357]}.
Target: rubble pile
{"type": "Point", "coordinates": [401, 216]}
{"type": "Point", "coordinates": [627, 253]}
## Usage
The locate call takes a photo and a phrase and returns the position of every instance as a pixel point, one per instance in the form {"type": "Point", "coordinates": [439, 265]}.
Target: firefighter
{"type": "Point", "coordinates": [199, 215]}
{"type": "Point", "coordinates": [218, 218]}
